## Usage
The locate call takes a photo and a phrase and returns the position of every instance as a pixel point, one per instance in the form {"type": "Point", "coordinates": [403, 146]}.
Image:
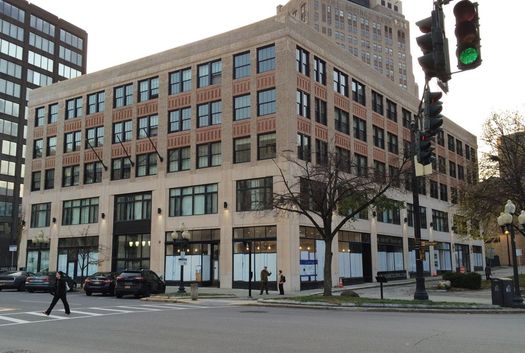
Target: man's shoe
{"type": "Point", "coordinates": [46, 313]}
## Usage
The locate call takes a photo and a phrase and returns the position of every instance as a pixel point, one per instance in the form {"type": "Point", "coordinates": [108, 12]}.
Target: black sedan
{"type": "Point", "coordinates": [14, 280]}
{"type": "Point", "coordinates": [139, 283]}
{"type": "Point", "coordinates": [45, 282]}
{"type": "Point", "coordinates": [101, 282]}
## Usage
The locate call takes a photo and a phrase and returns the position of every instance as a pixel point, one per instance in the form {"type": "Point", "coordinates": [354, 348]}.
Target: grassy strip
{"type": "Point", "coordinates": [360, 301]}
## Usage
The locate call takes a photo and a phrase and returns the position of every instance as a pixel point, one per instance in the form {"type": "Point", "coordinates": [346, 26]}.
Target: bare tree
{"type": "Point", "coordinates": [86, 255]}
{"type": "Point", "coordinates": [332, 192]}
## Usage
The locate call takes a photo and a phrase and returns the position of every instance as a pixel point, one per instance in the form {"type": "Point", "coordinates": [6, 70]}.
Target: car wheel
{"type": "Point", "coordinates": [30, 290]}
{"type": "Point", "coordinates": [21, 287]}
{"type": "Point", "coordinates": [0, 289]}
{"type": "Point", "coordinates": [88, 293]}
{"type": "Point", "coordinates": [118, 295]}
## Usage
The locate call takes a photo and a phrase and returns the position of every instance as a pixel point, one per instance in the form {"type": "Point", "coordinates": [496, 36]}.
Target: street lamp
{"type": "Point", "coordinates": [181, 239]}
{"type": "Point", "coordinates": [505, 219]}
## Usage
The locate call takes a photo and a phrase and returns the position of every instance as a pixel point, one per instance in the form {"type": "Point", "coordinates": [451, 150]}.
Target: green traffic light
{"type": "Point", "coordinates": [468, 56]}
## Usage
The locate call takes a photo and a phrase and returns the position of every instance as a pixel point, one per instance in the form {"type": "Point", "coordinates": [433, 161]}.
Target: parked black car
{"type": "Point", "coordinates": [139, 283]}
{"type": "Point", "coordinates": [45, 282]}
{"type": "Point", "coordinates": [14, 280]}
{"type": "Point", "coordinates": [101, 282]}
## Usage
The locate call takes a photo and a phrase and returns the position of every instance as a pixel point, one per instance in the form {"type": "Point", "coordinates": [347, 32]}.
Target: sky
{"type": "Point", "coordinates": [124, 30]}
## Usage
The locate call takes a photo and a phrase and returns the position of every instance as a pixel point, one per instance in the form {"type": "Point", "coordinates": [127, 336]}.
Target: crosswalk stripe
{"type": "Point", "coordinates": [162, 306]}
{"type": "Point", "coordinates": [12, 319]}
{"type": "Point", "coordinates": [137, 307]}
{"type": "Point", "coordinates": [114, 310]}
{"type": "Point", "coordinates": [36, 313]}
{"type": "Point", "coordinates": [85, 313]}
{"type": "Point", "coordinates": [186, 306]}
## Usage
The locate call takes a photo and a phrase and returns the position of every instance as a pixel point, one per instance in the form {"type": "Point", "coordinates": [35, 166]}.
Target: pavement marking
{"type": "Point", "coordinates": [12, 319]}
{"type": "Point", "coordinates": [114, 310]}
{"type": "Point", "coordinates": [36, 313]}
{"type": "Point", "coordinates": [137, 307]}
{"type": "Point", "coordinates": [84, 313]}
{"type": "Point", "coordinates": [161, 307]}
{"type": "Point", "coordinates": [6, 309]}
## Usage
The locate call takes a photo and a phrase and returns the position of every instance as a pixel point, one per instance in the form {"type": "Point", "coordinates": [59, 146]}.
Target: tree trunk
{"type": "Point", "coordinates": [328, 267]}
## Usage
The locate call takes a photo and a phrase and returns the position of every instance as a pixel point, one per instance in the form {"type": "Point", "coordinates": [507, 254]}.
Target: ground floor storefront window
{"type": "Point", "coordinates": [311, 259]}
{"type": "Point", "coordinates": [412, 258]}
{"type": "Point", "coordinates": [255, 246]}
{"type": "Point", "coordinates": [442, 257]}
{"type": "Point", "coordinates": [131, 251]}
{"type": "Point", "coordinates": [462, 258]}
{"type": "Point", "coordinates": [37, 256]}
{"type": "Point", "coordinates": [201, 254]}
{"type": "Point", "coordinates": [354, 259]}
{"type": "Point", "coordinates": [477, 258]}
{"type": "Point", "coordinates": [390, 257]}
{"type": "Point", "coordinates": [78, 256]}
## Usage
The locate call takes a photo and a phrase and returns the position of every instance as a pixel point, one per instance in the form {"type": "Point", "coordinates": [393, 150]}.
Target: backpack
{"type": "Point", "coordinates": [283, 279]}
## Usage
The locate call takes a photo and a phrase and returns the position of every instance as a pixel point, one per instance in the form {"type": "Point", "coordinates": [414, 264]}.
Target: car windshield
{"type": "Point", "coordinates": [12, 273]}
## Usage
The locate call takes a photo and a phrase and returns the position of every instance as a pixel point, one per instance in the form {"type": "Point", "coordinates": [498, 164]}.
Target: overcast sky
{"type": "Point", "coordinates": [123, 30]}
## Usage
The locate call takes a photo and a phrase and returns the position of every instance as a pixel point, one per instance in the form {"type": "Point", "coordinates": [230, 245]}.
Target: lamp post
{"type": "Point", "coordinates": [506, 219]}
{"type": "Point", "coordinates": [181, 239]}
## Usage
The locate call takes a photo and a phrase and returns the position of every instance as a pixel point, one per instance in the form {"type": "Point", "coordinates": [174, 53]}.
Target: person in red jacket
{"type": "Point", "coordinates": [60, 293]}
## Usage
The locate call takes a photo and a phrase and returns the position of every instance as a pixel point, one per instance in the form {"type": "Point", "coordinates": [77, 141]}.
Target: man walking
{"type": "Point", "coordinates": [60, 293]}
{"type": "Point", "coordinates": [264, 279]}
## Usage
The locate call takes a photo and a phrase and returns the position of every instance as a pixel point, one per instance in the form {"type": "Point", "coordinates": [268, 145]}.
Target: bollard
{"type": "Point", "coordinates": [381, 280]}
{"type": "Point", "coordinates": [194, 291]}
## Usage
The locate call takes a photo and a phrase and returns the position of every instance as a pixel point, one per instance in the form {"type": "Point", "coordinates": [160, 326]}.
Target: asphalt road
{"type": "Point", "coordinates": [110, 325]}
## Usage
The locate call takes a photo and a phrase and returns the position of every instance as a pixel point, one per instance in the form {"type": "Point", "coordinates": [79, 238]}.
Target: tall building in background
{"type": "Point", "coordinates": [373, 31]}
{"type": "Point", "coordinates": [36, 49]}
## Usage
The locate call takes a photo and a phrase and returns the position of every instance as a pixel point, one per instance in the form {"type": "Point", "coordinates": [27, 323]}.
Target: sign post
{"type": "Point", "coordinates": [13, 249]}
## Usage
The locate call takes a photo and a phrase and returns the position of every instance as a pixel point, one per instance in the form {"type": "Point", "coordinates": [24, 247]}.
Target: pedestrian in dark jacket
{"type": "Point", "coordinates": [60, 290]}
{"type": "Point", "coordinates": [264, 279]}
{"type": "Point", "coordinates": [282, 279]}
{"type": "Point", "coordinates": [488, 272]}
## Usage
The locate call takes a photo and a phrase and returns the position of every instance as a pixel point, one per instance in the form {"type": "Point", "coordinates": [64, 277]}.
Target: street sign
{"type": "Point", "coordinates": [519, 252]}
{"type": "Point", "coordinates": [183, 261]}
{"type": "Point", "coordinates": [13, 248]}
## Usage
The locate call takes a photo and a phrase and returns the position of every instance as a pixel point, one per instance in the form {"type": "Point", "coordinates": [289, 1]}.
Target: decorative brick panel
{"type": "Point", "coordinates": [51, 130]}
{"type": "Point", "coordinates": [406, 134]}
{"type": "Point", "coordinates": [440, 150]}
{"type": "Point", "coordinates": [303, 83]}
{"type": "Point", "coordinates": [321, 132]}
{"type": "Point", "coordinates": [360, 147]}
{"type": "Point", "coordinates": [179, 140]}
{"type": "Point", "coordinates": [148, 108]}
{"type": "Point", "coordinates": [241, 129]}
{"type": "Point", "coordinates": [145, 146]}
{"type": "Point", "coordinates": [95, 120]}
{"type": "Point", "coordinates": [122, 114]}
{"type": "Point", "coordinates": [241, 87]}
{"type": "Point", "coordinates": [36, 164]}
{"type": "Point", "coordinates": [50, 163]}
{"type": "Point", "coordinates": [379, 155]}
{"type": "Point", "coordinates": [90, 156]}
{"type": "Point", "coordinates": [320, 91]}
{"type": "Point", "coordinates": [341, 102]}
{"type": "Point", "coordinates": [343, 141]}
{"type": "Point", "coordinates": [71, 159]}
{"type": "Point", "coordinates": [266, 81]}
{"type": "Point", "coordinates": [208, 94]}
{"type": "Point", "coordinates": [38, 132]}
{"type": "Point", "coordinates": [393, 159]}
{"type": "Point", "coordinates": [391, 126]}
{"type": "Point", "coordinates": [211, 134]}
{"type": "Point", "coordinates": [358, 110]}
{"type": "Point", "coordinates": [118, 151]}
{"type": "Point", "coordinates": [266, 125]}
{"type": "Point", "coordinates": [378, 120]}
{"type": "Point", "coordinates": [304, 126]}
{"type": "Point", "coordinates": [179, 101]}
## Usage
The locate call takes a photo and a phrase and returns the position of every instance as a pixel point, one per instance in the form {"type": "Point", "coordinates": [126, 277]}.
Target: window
{"type": "Point", "coordinates": [266, 59]}
{"type": "Point", "coordinates": [74, 108]}
{"type": "Point", "coordinates": [40, 116]}
{"type": "Point", "coordinates": [193, 200]}
{"type": "Point", "coordinates": [266, 102]}
{"type": "Point", "coordinates": [441, 165]}
{"type": "Point", "coordinates": [36, 180]}
{"type": "Point", "coordinates": [361, 167]}
{"type": "Point", "coordinates": [148, 89]}
{"type": "Point", "coordinates": [180, 81]}
{"type": "Point", "coordinates": [302, 58]}
{"type": "Point", "coordinates": [49, 182]}
{"type": "Point", "coordinates": [209, 114]}
{"type": "Point", "coordinates": [254, 194]}
{"type": "Point", "coordinates": [303, 104]}
{"type": "Point", "coordinates": [391, 216]}
{"type": "Point", "coordinates": [320, 70]}
{"type": "Point", "coordinates": [96, 102]}
{"type": "Point", "coordinates": [422, 216]}
{"type": "Point", "coordinates": [451, 143]}
{"type": "Point", "coordinates": [133, 207]}
{"type": "Point", "coordinates": [440, 221]}
{"type": "Point", "coordinates": [70, 175]}
{"type": "Point", "coordinates": [452, 169]}
{"type": "Point", "coordinates": [241, 107]}
{"type": "Point", "coordinates": [72, 141]}
{"type": "Point", "coordinates": [242, 149]}
{"type": "Point", "coordinates": [148, 126]}
{"type": "Point", "coordinates": [359, 129]}
{"type": "Point", "coordinates": [343, 161]}
{"type": "Point", "coordinates": [120, 168]}
{"type": "Point", "coordinates": [95, 137]}
{"type": "Point", "coordinates": [340, 82]}
{"type": "Point", "coordinates": [209, 155]}
{"type": "Point", "coordinates": [392, 143]}
{"type": "Point", "coordinates": [454, 195]}
{"type": "Point", "coordinates": [443, 192]}
{"type": "Point", "coordinates": [51, 146]}
{"type": "Point", "coordinates": [440, 137]}
{"type": "Point", "coordinates": [379, 171]}
{"type": "Point", "coordinates": [321, 154]}
{"type": "Point", "coordinates": [266, 146]}
{"type": "Point", "coordinates": [52, 113]}
{"type": "Point", "coordinates": [391, 110]}
{"type": "Point", "coordinates": [320, 111]}
{"type": "Point", "coordinates": [241, 65]}
{"type": "Point", "coordinates": [407, 118]}
{"type": "Point", "coordinates": [179, 159]}
{"type": "Point", "coordinates": [179, 120]}
{"type": "Point", "coordinates": [123, 96]}
{"type": "Point", "coordinates": [394, 172]}
{"type": "Point", "coordinates": [209, 73]}
{"type": "Point", "coordinates": [122, 131]}
{"type": "Point", "coordinates": [459, 147]}
{"type": "Point", "coordinates": [303, 147]}
{"type": "Point", "coordinates": [379, 137]}
{"type": "Point", "coordinates": [38, 148]}
{"type": "Point", "coordinates": [467, 152]}
{"type": "Point", "coordinates": [146, 164]}
{"type": "Point", "coordinates": [377, 102]}
{"type": "Point", "coordinates": [358, 92]}
{"type": "Point", "coordinates": [93, 173]}
{"type": "Point", "coordinates": [342, 121]}
{"type": "Point", "coordinates": [434, 189]}
{"type": "Point", "coordinates": [461, 172]}
{"type": "Point", "coordinates": [83, 211]}
{"type": "Point", "coordinates": [40, 215]}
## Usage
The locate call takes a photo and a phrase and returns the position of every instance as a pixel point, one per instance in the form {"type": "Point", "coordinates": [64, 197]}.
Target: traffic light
{"type": "Point", "coordinates": [424, 147]}
{"type": "Point", "coordinates": [432, 118]}
{"type": "Point", "coordinates": [467, 34]}
{"type": "Point", "coordinates": [434, 45]}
